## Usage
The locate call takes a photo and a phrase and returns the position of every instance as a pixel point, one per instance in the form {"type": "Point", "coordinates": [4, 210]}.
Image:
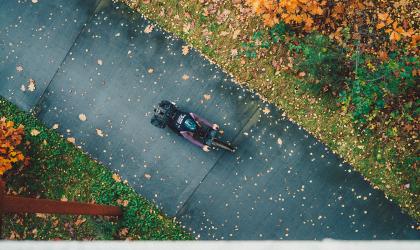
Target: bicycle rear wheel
{"type": "Point", "coordinates": [223, 145]}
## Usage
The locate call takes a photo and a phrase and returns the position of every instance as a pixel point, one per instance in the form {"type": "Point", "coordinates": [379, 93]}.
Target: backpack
{"type": "Point", "coordinates": [163, 113]}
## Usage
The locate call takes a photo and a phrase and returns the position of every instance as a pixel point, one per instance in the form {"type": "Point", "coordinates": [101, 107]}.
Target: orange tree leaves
{"type": "Point", "coordinates": [10, 140]}
{"type": "Point", "coordinates": [365, 19]}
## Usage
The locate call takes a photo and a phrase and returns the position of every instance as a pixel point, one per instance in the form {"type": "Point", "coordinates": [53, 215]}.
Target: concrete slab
{"type": "Point", "coordinates": [284, 184]}
{"type": "Point", "coordinates": [115, 74]}
{"type": "Point", "coordinates": [34, 39]}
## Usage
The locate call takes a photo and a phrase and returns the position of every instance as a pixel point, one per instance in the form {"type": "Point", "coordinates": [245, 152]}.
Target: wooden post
{"type": "Point", "coordinates": [18, 204]}
{"type": "Point", "coordinates": [2, 191]}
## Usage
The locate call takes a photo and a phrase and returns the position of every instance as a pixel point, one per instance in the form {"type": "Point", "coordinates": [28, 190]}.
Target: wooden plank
{"type": "Point", "coordinates": [17, 204]}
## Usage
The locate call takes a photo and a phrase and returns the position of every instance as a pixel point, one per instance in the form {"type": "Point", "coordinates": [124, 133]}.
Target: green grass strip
{"type": "Point", "coordinates": [59, 170]}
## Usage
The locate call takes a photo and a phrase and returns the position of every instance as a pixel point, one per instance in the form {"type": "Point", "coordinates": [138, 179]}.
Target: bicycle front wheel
{"type": "Point", "coordinates": [223, 145]}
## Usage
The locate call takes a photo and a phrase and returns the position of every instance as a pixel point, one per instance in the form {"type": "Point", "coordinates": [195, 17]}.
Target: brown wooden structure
{"type": "Point", "coordinates": [18, 204]}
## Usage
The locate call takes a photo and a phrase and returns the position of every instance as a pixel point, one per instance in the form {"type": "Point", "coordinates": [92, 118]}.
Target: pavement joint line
{"type": "Point", "coordinates": [36, 109]}
{"type": "Point", "coordinates": [215, 163]}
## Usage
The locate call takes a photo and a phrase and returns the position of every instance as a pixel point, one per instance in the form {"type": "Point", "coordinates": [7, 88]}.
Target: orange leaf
{"type": "Point", "coordinates": [394, 36]}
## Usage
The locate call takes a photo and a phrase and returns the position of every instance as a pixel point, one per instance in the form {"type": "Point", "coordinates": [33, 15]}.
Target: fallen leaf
{"type": "Point", "coordinates": [31, 85]}
{"type": "Point", "coordinates": [55, 126]}
{"type": "Point", "coordinates": [207, 96]}
{"type": "Point", "coordinates": [185, 50]}
{"type": "Point", "coordinates": [279, 141]}
{"type": "Point", "coordinates": [302, 74]}
{"type": "Point", "coordinates": [383, 55]}
{"type": "Point", "coordinates": [19, 68]}
{"type": "Point", "coordinates": [79, 221]}
{"type": "Point", "coordinates": [41, 215]}
{"type": "Point", "coordinates": [236, 33]}
{"type": "Point", "coordinates": [150, 70]}
{"type": "Point", "coordinates": [234, 52]}
{"type": "Point", "coordinates": [123, 232]}
{"type": "Point", "coordinates": [82, 117]}
{"type": "Point", "coordinates": [186, 28]}
{"type": "Point", "coordinates": [34, 1]}
{"type": "Point", "coordinates": [99, 62]}
{"type": "Point", "coordinates": [149, 28]}
{"type": "Point", "coordinates": [147, 176]}
{"type": "Point", "coordinates": [266, 110]}
{"type": "Point", "coordinates": [64, 198]}
{"type": "Point", "coordinates": [185, 77]}
{"type": "Point", "coordinates": [224, 33]}
{"type": "Point", "coordinates": [55, 223]}
{"type": "Point", "coordinates": [71, 139]}
{"type": "Point", "coordinates": [14, 235]}
{"type": "Point", "coordinates": [99, 132]}
{"type": "Point", "coordinates": [35, 132]}
{"type": "Point", "coordinates": [116, 177]}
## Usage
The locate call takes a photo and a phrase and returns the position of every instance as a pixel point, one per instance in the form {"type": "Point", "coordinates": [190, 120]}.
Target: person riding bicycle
{"type": "Point", "coordinates": [187, 124]}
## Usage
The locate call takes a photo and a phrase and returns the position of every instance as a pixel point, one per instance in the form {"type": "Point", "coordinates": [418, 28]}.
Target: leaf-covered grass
{"type": "Point", "coordinates": [226, 42]}
{"type": "Point", "coordinates": [60, 171]}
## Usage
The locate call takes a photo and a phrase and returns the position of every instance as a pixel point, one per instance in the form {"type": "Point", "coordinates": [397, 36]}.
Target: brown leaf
{"type": "Point", "coordinates": [147, 176]}
{"type": "Point", "coordinates": [149, 28]}
{"type": "Point", "coordinates": [116, 177]}
{"type": "Point", "coordinates": [71, 139]}
{"type": "Point", "coordinates": [99, 132]}
{"type": "Point", "coordinates": [236, 33]}
{"type": "Point", "coordinates": [31, 85]}
{"type": "Point", "coordinates": [266, 110]}
{"type": "Point", "coordinates": [79, 221]}
{"type": "Point", "coordinates": [383, 55]}
{"type": "Point", "coordinates": [185, 50]}
{"type": "Point", "coordinates": [186, 28]}
{"type": "Point", "coordinates": [234, 52]}
{"type": "Point", "coordinates": [185, 77]}
{"type": "Point", "coordinates": [125, 203]}
{"type": "Point", "coordinates": [41, 215]}
{"type": "Point", "coordinates": [14, 235]}
{"type": "Point", "coordinates": [207, 96]}
{"type": "Point", "coordinates": [123, 232]}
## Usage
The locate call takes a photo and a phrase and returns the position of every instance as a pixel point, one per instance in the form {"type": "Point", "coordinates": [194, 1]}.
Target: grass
{"type": "Point", "coordinates": [319, 115]}
{"type": "Point", "coordinates": [59, 170]}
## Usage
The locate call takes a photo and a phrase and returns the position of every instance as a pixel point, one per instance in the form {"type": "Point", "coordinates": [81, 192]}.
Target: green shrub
{"type": "Point", "coordinates": [322, 61]}
{"type": "Point", "coordinates": [380, 85]}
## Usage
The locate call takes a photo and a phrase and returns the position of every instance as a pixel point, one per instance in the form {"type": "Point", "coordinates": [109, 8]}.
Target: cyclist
{"type": "Point", "coordinates": [187, 124]}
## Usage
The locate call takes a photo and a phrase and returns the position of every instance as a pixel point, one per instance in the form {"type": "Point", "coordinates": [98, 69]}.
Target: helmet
{"type": "Point", "coordinates": [162, 113]}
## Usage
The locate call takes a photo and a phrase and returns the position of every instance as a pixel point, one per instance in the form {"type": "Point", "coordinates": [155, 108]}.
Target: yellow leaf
{"type": "Point", "coordinates": [116, 177]}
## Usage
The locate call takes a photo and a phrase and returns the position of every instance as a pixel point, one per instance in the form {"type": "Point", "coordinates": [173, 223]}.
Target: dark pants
{"type": "Point", "coordinates": [210, 136]}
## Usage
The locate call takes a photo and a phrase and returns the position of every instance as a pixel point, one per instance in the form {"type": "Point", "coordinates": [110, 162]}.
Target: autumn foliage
{"type": "Point", "coordinates": [365, 20]}
{"type": "Point", "coordinates": [10, 142]}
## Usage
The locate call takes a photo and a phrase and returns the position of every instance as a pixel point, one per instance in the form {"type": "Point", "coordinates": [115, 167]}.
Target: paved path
{"type": "Point", "coordinates": [93, 57]}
